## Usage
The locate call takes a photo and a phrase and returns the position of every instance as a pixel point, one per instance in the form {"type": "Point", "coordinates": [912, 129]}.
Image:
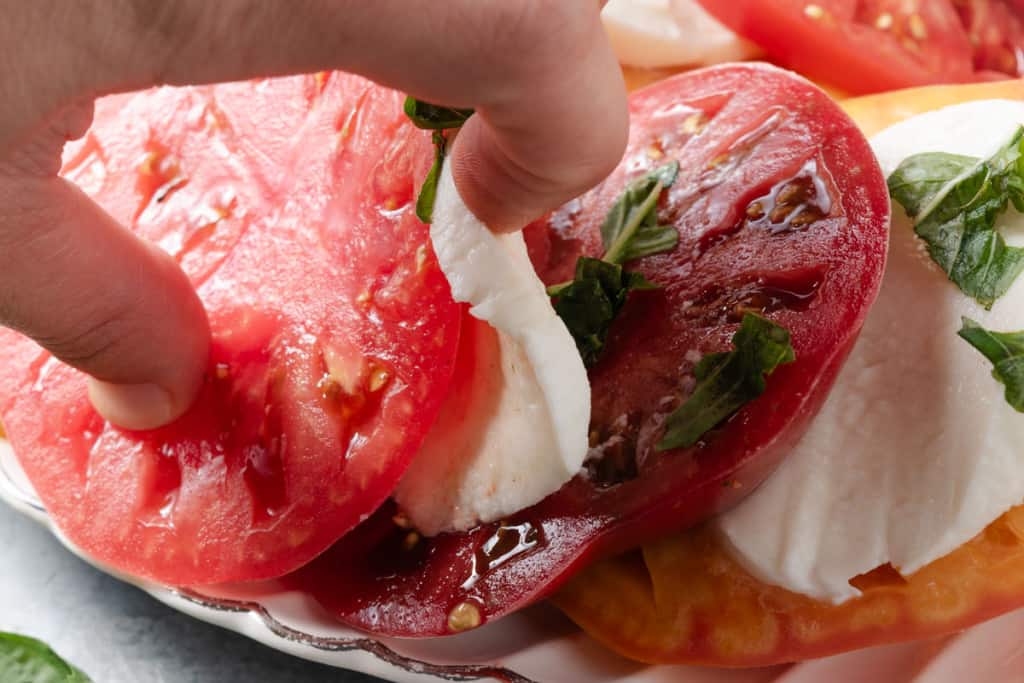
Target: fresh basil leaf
{"type": "Point", "coordinates": [435, 117]}
{"type": "Point", "coordinates": [954, 202]}
{"type": "Point", "coordinates": [634, 214]}
{"type": "Point", "coordinates": [590, 303]}
{"type": "Point", "coordinates": [593, 299]}
{"type": "Point", "coordinates": [651, 240]}
{"type": "Point", "coordinates": [428, 193]}
{"type": "Point", "coordinates": [1006, 352]}
{"type": "Point", "coordinates": [729, 380]}
{"type": "Point", "coordinates": [27, 660]}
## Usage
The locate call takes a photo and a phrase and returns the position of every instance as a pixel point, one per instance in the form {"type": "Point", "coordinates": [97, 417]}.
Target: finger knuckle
{"type": "Point", "coordinates": [539, 32]}
{"type": "Point", "coordinates": [91, 342]}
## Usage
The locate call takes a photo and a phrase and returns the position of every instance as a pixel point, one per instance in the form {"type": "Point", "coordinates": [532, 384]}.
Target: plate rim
{"type": "Point", "coordinates": [369, 655]}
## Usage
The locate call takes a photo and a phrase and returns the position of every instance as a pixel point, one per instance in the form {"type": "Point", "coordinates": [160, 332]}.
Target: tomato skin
{"type": "Point", "coordinates": [841, 42]}
{"type": "Point", "coordinates": [737, 131]}
{"type": "Point", "coordinates": [685, 600]}
{"type": "Point", "coordinates": [289, 204]}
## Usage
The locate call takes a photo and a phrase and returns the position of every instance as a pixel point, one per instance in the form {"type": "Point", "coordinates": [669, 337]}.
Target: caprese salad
{"type": "Point", "coordinates": [427, 426]}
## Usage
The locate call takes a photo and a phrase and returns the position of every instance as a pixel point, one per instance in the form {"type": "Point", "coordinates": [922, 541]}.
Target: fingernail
{"type": "Point", "coordinates": [132, 406]}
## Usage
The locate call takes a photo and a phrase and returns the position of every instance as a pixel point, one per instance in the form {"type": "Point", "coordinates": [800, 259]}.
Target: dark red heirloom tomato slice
{"type": "Point", "coordinates": [289, 204]}
{"type": "Point", "coordinates": [781, 209]}
{"type": "Point", "coordinates": [861, 46]}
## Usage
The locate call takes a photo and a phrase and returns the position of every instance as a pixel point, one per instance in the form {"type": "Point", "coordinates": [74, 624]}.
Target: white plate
{"type": "Point", "coordinates": [536, 645]}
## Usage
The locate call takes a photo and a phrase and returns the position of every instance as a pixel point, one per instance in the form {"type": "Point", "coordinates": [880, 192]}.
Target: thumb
{"type": "Point", "coordinates": [100, 299]}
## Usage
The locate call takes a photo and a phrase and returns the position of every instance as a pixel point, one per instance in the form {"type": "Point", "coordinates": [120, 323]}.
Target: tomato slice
{"type": "Point", "coordinates": [861, 46]}
{"type": "Point", "coordinates": [781, 208]}
{"type": "Point", "coordinates": [685, 600]}
{"type": "Point", "coordinates": [289, 204]}
{"type": "Point", "coordinates": [996, 30]}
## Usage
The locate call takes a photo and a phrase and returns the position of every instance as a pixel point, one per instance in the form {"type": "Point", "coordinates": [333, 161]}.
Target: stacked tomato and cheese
{"type": "Point", "coordinates": [895, 517]}
{"type": "Point", "coordinates": [427, 428]}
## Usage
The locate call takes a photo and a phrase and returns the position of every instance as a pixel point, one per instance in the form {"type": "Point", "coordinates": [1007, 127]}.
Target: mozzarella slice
{"type": "Point", "coordinates": [653, 33]}
{"type": "Point", "coordinates": [514, 427]}
{"type": "Point", "coordinates": [916, 450]}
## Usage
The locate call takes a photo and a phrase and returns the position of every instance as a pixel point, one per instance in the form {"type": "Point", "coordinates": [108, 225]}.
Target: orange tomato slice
{"type": "Point", "coordinates": [876, 112]}
{"type": "Point", "coordinates": [685, 600]}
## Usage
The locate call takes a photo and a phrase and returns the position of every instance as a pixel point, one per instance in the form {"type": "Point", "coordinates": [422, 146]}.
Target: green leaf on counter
{"type": "Point", "coordinates": [1006, 352]}
{"type": "Point", "coordinates": [954, 202]}
{"type": "Point", "coordinates": [27, 660]}
{"type": "Point", "coordinates": [729, 380]}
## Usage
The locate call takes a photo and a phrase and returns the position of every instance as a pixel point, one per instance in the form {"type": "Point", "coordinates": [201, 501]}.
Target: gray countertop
{"type": "Point", "coordinates": [118, 634]}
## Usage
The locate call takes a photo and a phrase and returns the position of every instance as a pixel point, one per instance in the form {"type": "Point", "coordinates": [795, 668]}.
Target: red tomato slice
{"type": "Point", "coordinates": [685, 600]}
{"type": "Point", "coordinates": [289, 204]}
{"type": "Point", "coordinates": [996, 30]}
{"type": "Point", "coordinates": [861, 46]}
{"type": "Point", "coordinates": [781, 209]}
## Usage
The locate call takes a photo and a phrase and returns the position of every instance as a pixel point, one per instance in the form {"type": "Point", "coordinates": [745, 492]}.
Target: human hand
{"type": "Point", "coordinates": [552, 121]}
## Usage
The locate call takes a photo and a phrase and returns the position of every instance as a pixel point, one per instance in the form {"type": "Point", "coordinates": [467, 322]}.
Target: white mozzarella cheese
{"type": "Point", "coordinates": [915, 450]}
{"type": "Point", "coordinates": [654, 33]}
{"type": "Point", "coordinates": [514, 427]}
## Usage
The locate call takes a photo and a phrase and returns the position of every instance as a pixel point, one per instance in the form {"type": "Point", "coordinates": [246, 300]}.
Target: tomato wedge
{"type": "Point", "coordinates": [781, 209]}
{"type": "Point", "coordinates": [289, 204]}
{"type": "Point", "coordinates": [685, 600]}
{"type": "Point", "coordinates": [861, 46]}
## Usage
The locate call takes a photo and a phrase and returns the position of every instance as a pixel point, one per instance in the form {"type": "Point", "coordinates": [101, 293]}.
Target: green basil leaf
{"type": "Point", "coordinates": [954, 202]}
{"type": "Point", "coordinates": [635, 213]}
{"type": "Point", "coordinates": [649, 241]}
{"type": "Point", "coordinates": [1006, 352]}
{"type": "Point", "coordinates": [590, 303]}
{"type": "Point", "coordinates": [729, 380]}
{"type": "Point", "coordinates": [27, 660]}
{"type": "Point", "coordinates": [435, 117]}
{"type": "Point", "coordinates": [428, 193]}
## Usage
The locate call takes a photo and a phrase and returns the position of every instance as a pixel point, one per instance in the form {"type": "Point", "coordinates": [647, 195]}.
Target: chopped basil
{"type": "Point", "coordinates": [438, 119]}
{"type": "Point", "coordinates": [590, 303]}
{"type": "Point", "coordinates": [435, 117]}
{"type": "Point", "coordinates": [428, 193]}
{"type": "Point", "coordinates": [954, 202]}
{"type": "Point", "coordinates": [27, 660]}
{"type": "Point", "coordinates": [631, 230]}
{"type": "Point", "coordinates": [1006, 352]}
{"type": "Point", "coordinates": [727, 381]}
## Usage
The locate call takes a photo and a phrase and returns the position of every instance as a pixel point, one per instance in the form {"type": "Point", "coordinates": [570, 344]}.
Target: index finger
{"type": "Point", "coordinates": [551, 101]}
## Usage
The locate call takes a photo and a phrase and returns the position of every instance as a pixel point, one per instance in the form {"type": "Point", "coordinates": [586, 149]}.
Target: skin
{"type": "Point", "coordinates": [552, 121]}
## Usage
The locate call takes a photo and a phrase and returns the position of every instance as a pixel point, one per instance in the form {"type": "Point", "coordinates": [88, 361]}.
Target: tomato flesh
{"type": "Point", "coordinates": [996, 30]}
{"type": "Point", "coordinates": [289, 204]}
{"type": "Point", "coordinates": [866, 46]}
{"type": "Point", "coordinates": [685, 600]}
{"type": "Point", "coordinates": [782, 210]}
